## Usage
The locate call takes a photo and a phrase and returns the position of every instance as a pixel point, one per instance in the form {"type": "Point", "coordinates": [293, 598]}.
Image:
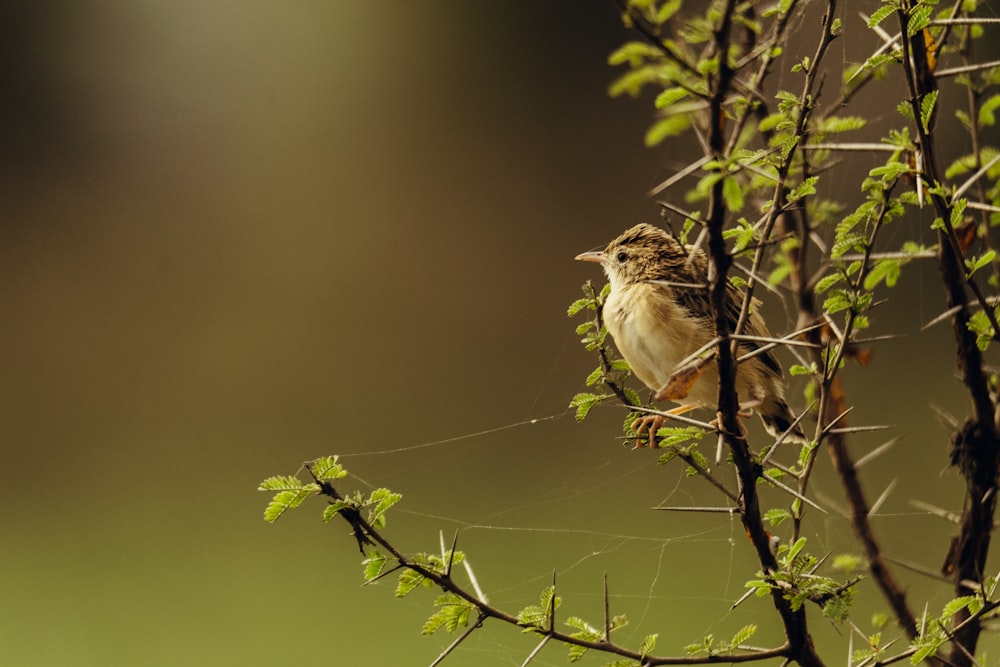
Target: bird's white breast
{"type": "Point", "coordinates": [654, 334]}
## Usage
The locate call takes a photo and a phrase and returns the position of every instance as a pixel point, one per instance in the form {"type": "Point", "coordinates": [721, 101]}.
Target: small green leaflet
{"type": "Point", "coordinates": [884, 269]}
{"type": "Point", "coordinates": [732, 193]}
{"type": "Point", "coordinates": [326, 468]}
{"type": "Point", "coordinates": [742, 635]}
{"type": "Point", "coordinates": [670, 96]}
{"type": "Point", "coordinates": [453, 612]}
{"type": "Point", "coordinates": [671, 436]}
{"type": "Point", "coordinates": [775, 516]}
{"type": "Point", "coordinates": [670, 126]}
{"type": "Point", "coordinates": [374, 564]}
{"type": "Point", "coordinates": [584, 402]}
{"type": "Point", "coordinates": [378, 503]}
{"type": "Point", "coordinates": [881, 14]}
{"type": "Point", "coordinates": [539, 616]}
{"type": "Point", "coordinates": [579, 305]}
{"type": "Point", "coordinates": [927, 108]}
{"type": "Point", "coordinates": [803, 189]}
{"type": "Point", "coordinates": [920, 18]}
{"type": "Point", "coordinates": [290, 494]}
{"type": "Point", "coordinates": [975, 263]}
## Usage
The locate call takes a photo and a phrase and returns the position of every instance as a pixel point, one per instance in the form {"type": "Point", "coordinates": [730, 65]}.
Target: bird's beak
{"type": "Point", "coordinates": [594, 256]}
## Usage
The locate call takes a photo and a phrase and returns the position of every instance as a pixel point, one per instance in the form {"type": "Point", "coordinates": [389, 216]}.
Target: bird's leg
{"type": "Point", "coordinates": [746, 407]}
{"type": "Point", "coordinates": [651, 424]}
{"type": "Point", "coordinates": [745, 410]}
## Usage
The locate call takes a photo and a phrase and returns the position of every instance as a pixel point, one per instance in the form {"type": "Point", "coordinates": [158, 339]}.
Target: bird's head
{"type": "Point", "coordinates": [640, 254]}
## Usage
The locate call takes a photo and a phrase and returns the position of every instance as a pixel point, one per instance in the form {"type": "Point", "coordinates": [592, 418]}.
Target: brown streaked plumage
{"type": "Point", "coordinates": [656, 325]}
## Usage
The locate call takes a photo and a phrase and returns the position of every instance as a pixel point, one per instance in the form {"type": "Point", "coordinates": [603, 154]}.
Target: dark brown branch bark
{"type": "Point", "coordinates": [832, 409]}
{"type": "Point", "coordinates": [367, 533]}
{"type": "Point", "coordinates": [975, 447]}
{"type": "Point", "coordinates": [748, 470]}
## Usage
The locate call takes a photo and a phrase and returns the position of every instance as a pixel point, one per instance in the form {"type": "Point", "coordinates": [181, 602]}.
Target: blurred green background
{"type": "Point", "coordinates": [236, 236]}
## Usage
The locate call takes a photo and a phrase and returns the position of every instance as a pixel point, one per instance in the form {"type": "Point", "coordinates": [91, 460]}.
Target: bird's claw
{"type": "Point", "coordinates": [650, 424]}
{"type": "Point", "coordinates": [744, 410]}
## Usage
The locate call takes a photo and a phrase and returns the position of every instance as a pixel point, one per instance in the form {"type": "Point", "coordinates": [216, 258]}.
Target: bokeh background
{"type": "Point", "coordinates": [236, 236]}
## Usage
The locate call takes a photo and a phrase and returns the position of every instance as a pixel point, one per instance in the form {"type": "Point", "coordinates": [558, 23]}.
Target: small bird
{"type": "Point", "coordinates": [659, 313]}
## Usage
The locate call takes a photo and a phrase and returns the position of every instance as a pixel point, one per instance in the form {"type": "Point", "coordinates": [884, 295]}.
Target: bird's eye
{"type": "Point", "coordinates": [621, 257]}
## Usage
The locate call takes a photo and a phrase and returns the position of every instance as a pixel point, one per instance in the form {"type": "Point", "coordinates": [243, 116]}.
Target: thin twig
{"type": "Point", "coordinates": [458, 640]}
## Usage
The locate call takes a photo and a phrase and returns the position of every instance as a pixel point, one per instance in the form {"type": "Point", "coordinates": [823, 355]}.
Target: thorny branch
{"type": "Point", "coordinates": [977, 444]}
{"type": "Point", "coordinates": [748, 470]}
{"type": "Point", "coordinates": [366, 533]}
{"type": "Point", "coordinates": [832, 407]}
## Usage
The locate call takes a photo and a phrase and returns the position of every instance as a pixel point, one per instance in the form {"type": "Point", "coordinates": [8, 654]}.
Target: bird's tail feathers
{"type": "Point", "coordinates": [778, 419]}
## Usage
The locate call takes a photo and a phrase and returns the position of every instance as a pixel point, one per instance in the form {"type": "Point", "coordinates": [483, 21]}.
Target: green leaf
{"type": "Point", "coordinates": [879, 60]}
{"type": "Point", "coordinates": [584, 402]}
{"type": "Point", "coordinates": [826, 282]}
{"type": "Point", "coordinates": [699, 460]}
{"type": "Point", "coordinates": [922, 654]}
{"type": "Point", "coordinates": [975, 263]}
{"type": "Point", "coordinates": [374, 564]}
{"type": "Point", "coordinates": [584, 631]}
{"type": "Point", "coordinates": [906, 110]}
{"type": "Point", "coordinates": [836, 302]}
{"type": "Point", "coordinates": [743, 234]}
{"type": "Point", "coordinates": [632, 396]}
{"type": "Point", "coordinates": [958, 211]}
{"type": "Point", "coordinates": [408, 580]}
{"type": "Point", "coordinates": [798, 369]}
{"type": "Point", "coordinates": [280, 483]}
{"type": "Point", "coordinates": [987, 115]}
{"type": "Point", "coordinates": [881, 14]}
{"type": "Point", "coordinates": [845, 242]}
{"type": "Point", "coordinates": [282, 502]}
{"type": "Point", "coordinates": [332, 510]}
{"type": "Point", "coordinates": [666, 11]}
{"type": "Point", "coordinates": [956, 605]}
{"type": "Point", "coordinates": [743, 634]}
{"type": "Point", "coordinates": [884, 269]}
{"type": "Point", "coordinates": [771, 122]}
{"type": "Point", "coordinates": [732, 193]}
{"type": "Point", "coordinates": [634, 54]}
{"type": "Point", "coordinates": [293, 492]}
{"type": "Point", "coordinates": [794, 549]}
{"type": "Point", "coordinates": [648, 644]}
{"type": "Point", "coordinates": [453, 612]}
{"type": "Point", "coordinates": [848, 563]}
{"type": "Point", "coordinates": [920, 18]}
{"type": "Point", "coordinates": [378, 504]}
{"type": "Point", "coordinates": [838, 124]}
{"type": "Point", "coordinates": [707, 646]}
{"type": "Point", "coordinates": [803, 189]}
{"type": "Point", "coordinates": [776, 516]}
{"type": "Point", "coordinates": [538, 616]}
{"type": "Point", "coordinates": [632, 82]}
{"type": "Point", "coordinates": [674, 435]}
{"type": "Point", "coordinates": [326, 468]}
{"type": "Point", "coordinates": [670, 126]}
{"type": "Point", "coordinates": [579, 305]}
{"type": "Point", "coordinates": [927, 109]}
{"type": "Point", "coordinates": [669, 97]}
